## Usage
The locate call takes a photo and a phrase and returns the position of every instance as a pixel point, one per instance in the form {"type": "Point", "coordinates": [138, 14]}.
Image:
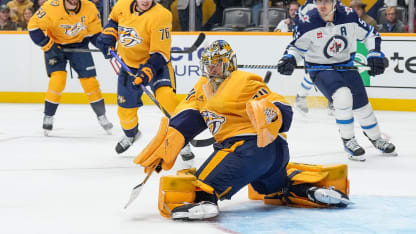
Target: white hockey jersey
{"type": "Point", "coordinates": [331, 43]}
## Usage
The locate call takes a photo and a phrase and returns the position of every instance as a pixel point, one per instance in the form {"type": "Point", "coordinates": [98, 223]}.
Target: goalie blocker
{"type": "Point", "coordinates": [183, 196]}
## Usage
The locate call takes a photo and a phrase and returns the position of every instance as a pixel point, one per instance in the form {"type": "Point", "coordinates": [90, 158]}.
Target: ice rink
{"type": "Point", "coordinates": [74, 182]}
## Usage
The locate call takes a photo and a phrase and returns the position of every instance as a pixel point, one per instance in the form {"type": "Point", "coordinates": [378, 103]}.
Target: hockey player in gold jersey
{"type": "Point", "coordinates": [141, 29]}
{"type": "Point", "coordinates": [249, 123]}
{"type": "Point", "coordinates": [60, 24]}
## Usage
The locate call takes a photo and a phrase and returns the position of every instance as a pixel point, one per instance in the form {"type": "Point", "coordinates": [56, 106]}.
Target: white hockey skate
{"type": "Point", "coordinates": [107, 125]}
{"type": "Point", "coordinates": [187, 157]}
{"type": "Point", "coordinates": [354, 150]}
{"type": "Point", "coordinates": [47, 124]}
{"type": "Point", "coordinates": [197, 211]}
{"type": "Point", "coordinates": [329, 197]}
{"type": "Point", "coordinates": [125, 142]}
{"type": "Point", "coordinates": [387, 148]}
{"type": "Point", "coordinates": [300, 104]}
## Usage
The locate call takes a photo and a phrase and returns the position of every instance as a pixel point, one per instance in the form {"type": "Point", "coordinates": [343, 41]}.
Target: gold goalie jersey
{"type": "Point", "coordinates": [64, 26]}
{"type": "Point", "coordinates": [142, 34]}
{"type": "Point", "coordinates": [224, 111]}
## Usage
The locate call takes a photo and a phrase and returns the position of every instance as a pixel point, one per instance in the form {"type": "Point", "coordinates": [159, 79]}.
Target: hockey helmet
{"type": "Point", "coordinates": [218, 60]}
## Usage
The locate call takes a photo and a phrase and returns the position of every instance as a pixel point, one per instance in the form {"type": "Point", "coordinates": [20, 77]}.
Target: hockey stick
{"type": "Point", "coordinates": [210, 141]}
{"type": "Point", "coordinates": [197, 43]}
{"type": "Point", "coordinates": [260, 66]}
{"type": "Point", "coordinates": [138, 188]}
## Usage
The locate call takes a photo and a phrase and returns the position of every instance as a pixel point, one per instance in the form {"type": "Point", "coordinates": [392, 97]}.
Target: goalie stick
{"type": "Point", "coordinates": [210, 141]}
{"type": "Point", "coordinates": [197, 43]}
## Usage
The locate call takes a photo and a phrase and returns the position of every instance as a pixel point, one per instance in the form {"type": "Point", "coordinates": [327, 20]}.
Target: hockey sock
{"type": "Point", "coordinates": [342, 99]}
{"type": "Point", "coordinates": [167, 98]}
{"type": "Point", "coordinates": [368, 121]}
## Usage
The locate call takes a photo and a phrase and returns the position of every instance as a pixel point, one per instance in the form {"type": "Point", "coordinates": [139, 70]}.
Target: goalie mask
{"type": "Point", "coordinates": [218, 60]}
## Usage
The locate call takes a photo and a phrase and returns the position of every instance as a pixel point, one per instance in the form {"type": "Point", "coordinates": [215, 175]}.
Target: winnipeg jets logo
{"type": "Point", "coordinates": [73, 30]}
{"type": "Point", "coordinates": [348, 10]}
{"type": "Point", "coordinates": [129, 37]}
{"type": "Point", "coordinates": [335, 46]}
{"type": "Point", "coordinates": [213, 121]}
{"type": "Point", "coordinates": [304, 18]}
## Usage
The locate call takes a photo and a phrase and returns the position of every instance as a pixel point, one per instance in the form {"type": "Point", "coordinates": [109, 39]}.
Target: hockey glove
{"type": "Point", "coordinates": [286, 65]}
{"type": "Point", "coordinates": [165, 146]}
{"type": "Point", "coordinates": [266, 119]}
{"type": "Point", "coordinates": [144, 75]}
{"type": "Point", "coordinates": [106, 40]}
{"type": "Point", "coordinates": [53, 52]}
{"type": "Point", "coordinates": [375, 60]}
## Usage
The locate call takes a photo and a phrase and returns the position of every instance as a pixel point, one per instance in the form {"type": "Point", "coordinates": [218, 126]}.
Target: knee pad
{"type": "Point", "coordinates": [316, 175]}
{"type": "Point", "coordinates": [91, 88]}
{"type": "Point", "coordinates": [57, 83]}
{"type": "Point", "coordinates": [342, 100]}
{"type": "Point", "coordinates": [368, 121]}
{"type": "Point", "coordinates": [128, 117]}
{"type": "Point", "coordinates": [178, 190]}
{"type": "Point", "coordinates": [167, 98]}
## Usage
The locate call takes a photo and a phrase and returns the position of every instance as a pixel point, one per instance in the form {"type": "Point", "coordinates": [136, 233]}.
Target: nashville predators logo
{"type": "Point", "coordinates": [128, 36]}
{"type": "Point", "coordinates": [121, 99]}
{"type": "Point", "coordinates": [213, 121]}
{"type": "Point", "coordinates": [73, 30]}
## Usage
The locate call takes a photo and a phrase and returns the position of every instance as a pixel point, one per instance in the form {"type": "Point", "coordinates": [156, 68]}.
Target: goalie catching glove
{"type": "Point", "coordinates": [266, 119]}
{"type": "Point", "coordinates": [165, 146]}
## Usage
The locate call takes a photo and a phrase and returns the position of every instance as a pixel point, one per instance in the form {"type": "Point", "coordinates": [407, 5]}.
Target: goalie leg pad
{"type": "Point", "coordinates": [326, 176]}
{"type": "Point", "coordinates": [56, 85]}
{"type": "Point", "coordinates": [91, 88]}
{"type": "Point", "coordinates": [179, 190]}
{"type": "Point", "coordinates": [266, 119]}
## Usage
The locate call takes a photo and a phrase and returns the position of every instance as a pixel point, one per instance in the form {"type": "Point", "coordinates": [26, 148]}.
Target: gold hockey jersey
{"type": "Point", "coordinates": [142, 34]}
{"type": "Point", "coordinates": [224, 111]}
{"type": "Point", "coordinates": [64, 26]}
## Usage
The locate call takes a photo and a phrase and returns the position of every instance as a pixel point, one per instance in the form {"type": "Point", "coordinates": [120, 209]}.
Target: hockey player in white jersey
{"type": "Point", "coordinates": [306, 85]}
{"type": "Point", "coordinates": [326, 38]}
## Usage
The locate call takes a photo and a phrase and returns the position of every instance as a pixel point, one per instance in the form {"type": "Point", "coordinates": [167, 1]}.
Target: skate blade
{"type": "Point", "coordinates": [360, 158]}
{"type": "Point", "coordinates": [392, 154]}
{"type": "Point", "coordinates": [108, 131]}
{"type": "Point", "coordinates": [300, 111]}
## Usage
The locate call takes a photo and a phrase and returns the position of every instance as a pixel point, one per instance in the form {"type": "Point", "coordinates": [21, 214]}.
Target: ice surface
{"type": "Point", "coordinates": [74, 182]}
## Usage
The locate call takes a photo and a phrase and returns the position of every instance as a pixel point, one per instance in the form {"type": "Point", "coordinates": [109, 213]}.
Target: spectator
{"type": "Point", "coordinates": [287, 25]}
{"type": "Point", "coordinates": [5, 21]}
{"type": "Point", "coordinates": [216, 18]}
{"type": "Point", "coordinates": [392, 24]}
{"type": "Point", "coordinates": [37, 4]}
{"type": "Point", "coordinates": [256, 6]}
{"type": "Point", "coordinates": [4, 2]}
{"type": "Point", "coordinates": [166, 3]}
{"type": "Point", "coordinates": [183, 13]}
{"type": "Point", "coordinates": [27, 14]}
{"type": "Point", "coordinates": [359, 8]}
{"type": "Point", "coordinates": [17, 7]}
